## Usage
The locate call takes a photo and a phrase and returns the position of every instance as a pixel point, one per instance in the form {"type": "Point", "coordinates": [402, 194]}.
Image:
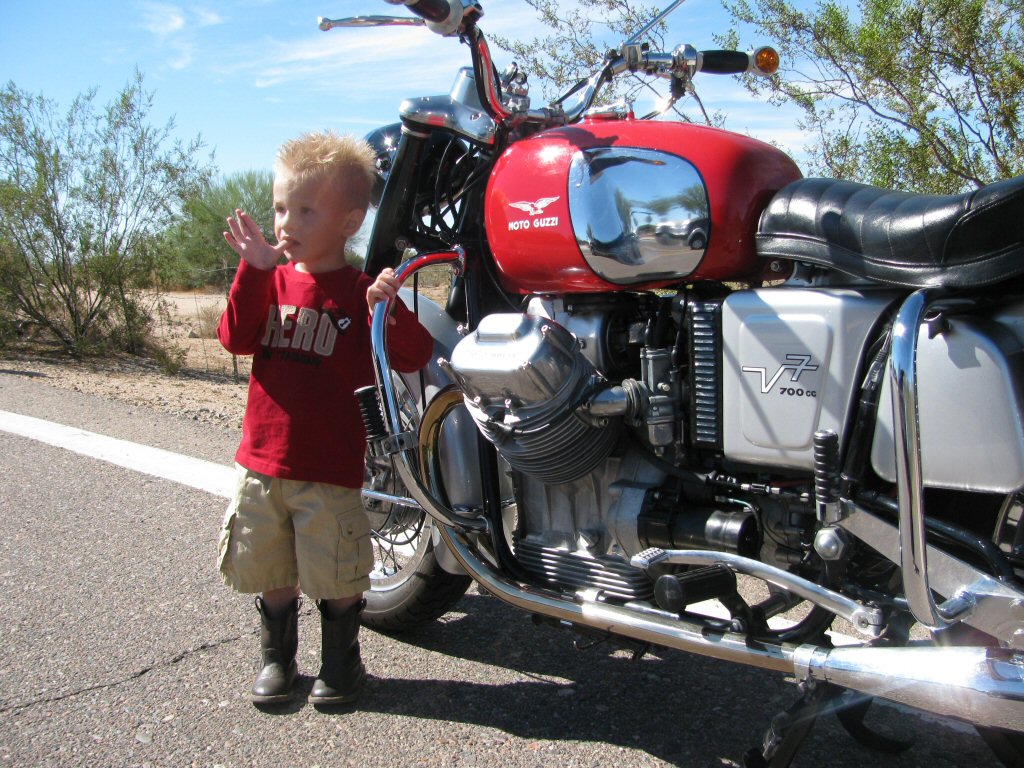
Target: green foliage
{"type": "Point", "coordinates": [83, 196]}
{"type": "Point", "coordinates": [193, 252]}
{"type": "Point", "coordinates": [921, 95]}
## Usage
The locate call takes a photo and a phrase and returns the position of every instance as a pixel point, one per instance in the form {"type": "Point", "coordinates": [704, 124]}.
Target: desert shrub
{"type": "Point", "coordinates": [83, 195]}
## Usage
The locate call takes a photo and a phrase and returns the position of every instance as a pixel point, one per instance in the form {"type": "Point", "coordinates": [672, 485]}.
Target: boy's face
{"type": "Point", "coordinates": [312, 219]}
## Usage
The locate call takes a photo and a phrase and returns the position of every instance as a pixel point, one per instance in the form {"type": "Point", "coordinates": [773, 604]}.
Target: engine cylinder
{"type": "Point", "coordinates": [524, 379]}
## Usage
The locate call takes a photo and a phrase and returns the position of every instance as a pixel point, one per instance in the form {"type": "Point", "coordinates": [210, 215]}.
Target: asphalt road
{"type": "Point", "coordinates": [119, 646]}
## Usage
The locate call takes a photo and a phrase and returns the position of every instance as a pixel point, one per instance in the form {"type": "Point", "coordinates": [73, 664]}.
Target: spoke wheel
{"type": "Point", "coordinates": [408, 587]}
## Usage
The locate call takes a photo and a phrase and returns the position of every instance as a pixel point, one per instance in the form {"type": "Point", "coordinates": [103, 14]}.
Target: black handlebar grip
{"type": "Point", "coordinates": [724, 62]}
{"type": "Point", "coordinates": [436, 11]}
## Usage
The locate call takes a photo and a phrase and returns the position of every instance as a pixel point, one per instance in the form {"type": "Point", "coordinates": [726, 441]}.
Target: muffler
{"type": "Point", "coordinates": [982, 686]}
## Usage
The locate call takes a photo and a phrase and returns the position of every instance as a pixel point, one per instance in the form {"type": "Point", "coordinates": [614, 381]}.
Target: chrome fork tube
{"type": "Point", "coordinates": [909, 476]}
{"type": "Point", "coordinates": [404, 446]}
{"type": "Point", "coordinates": [378, 328]}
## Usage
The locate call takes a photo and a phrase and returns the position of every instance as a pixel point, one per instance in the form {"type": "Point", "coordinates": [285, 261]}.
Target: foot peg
{"type": "Point", "coordinates": [673, 592]}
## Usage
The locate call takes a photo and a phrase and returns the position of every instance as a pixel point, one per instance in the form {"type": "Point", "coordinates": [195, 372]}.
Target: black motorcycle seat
{"type": "Point", "coordinates": [958, 241]}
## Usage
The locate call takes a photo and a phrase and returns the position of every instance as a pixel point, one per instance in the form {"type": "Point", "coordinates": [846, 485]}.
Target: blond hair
{"type": "Point", "coordinates": [344, 159]}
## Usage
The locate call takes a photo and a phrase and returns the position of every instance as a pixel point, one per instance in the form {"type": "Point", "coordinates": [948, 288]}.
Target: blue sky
{"type": "Point", "coordinates": [249, 75]}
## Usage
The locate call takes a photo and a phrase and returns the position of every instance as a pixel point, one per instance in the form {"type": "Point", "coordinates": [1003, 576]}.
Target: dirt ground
{"type": "Point", "coordinates": [210, 385]}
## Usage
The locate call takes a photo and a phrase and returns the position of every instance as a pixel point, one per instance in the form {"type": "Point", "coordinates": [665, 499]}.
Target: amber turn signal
{"type": "Point", "coordinates": [766, 60]}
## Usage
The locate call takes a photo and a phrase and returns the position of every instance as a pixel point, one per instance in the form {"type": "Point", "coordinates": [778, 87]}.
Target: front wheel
{"type": "Point", "coordinates": [408, 586]}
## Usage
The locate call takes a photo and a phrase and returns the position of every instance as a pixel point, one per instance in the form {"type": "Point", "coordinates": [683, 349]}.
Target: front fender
{"type": "Point", "coordinates": [459, 460]}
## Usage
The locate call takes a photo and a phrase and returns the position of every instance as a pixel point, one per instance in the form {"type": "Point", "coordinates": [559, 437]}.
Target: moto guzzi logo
{"type": "Point", "coordinates": [797, 366]}
{"type": "Point", "coordinates": [534, 208]}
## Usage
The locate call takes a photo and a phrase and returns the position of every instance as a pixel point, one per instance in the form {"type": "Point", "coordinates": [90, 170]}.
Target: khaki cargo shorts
{"type": "Point", "coordinates": [279, 533]}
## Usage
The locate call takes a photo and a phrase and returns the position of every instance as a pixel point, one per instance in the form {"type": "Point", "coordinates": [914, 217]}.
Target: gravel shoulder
{"type": "Point", "coordinates": [197, 395]}
{"type": "Point", "coordinates": [210, 386]}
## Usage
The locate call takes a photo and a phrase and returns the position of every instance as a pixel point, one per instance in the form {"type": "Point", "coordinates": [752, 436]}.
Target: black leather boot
{"type": "Point", "coordinates": [279, 640]}
{"type": "Point", "coordinates": [342, 673]}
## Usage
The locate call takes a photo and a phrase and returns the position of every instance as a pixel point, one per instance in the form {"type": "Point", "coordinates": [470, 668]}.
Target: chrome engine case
{"type": "Point", "coordinates": [524, 379]}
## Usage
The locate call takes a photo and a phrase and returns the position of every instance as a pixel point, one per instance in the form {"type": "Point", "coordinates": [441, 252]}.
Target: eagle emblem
{"type": "Point", "coordinates": [536, 207]}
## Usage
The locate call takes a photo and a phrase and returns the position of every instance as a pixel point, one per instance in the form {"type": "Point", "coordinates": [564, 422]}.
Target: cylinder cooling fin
{"type": "Point", "coordinates": [705, 324]}
{"type": "Point", "coordinates": [555, 452]}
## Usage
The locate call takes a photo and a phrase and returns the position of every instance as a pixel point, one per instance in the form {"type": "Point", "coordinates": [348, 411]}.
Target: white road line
{"type": "Point", "coordinates": [195, 473]}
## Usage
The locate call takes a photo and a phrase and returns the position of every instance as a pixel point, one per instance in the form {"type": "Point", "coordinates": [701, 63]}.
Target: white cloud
{"type": "Point", "coordinates": [180, 54]}
{"type": "Point", "coordinates": [175, 29]}
{"type": "Point", "coordinates": [345, 58]}
{"type": "Point", "coordinates": [206, 17]}
{"type": "Point", "coordinates": [162, 19]}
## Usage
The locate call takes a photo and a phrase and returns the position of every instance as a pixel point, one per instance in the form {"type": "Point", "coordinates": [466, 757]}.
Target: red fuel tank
{"type": "Point", "coordinates": [613, 204]}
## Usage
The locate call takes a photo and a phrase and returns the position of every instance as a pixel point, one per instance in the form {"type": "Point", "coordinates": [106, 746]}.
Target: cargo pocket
{"type": "Point", "coordinates": [355, 550]}
{"type": "Point", "coordinates": [224, 543]}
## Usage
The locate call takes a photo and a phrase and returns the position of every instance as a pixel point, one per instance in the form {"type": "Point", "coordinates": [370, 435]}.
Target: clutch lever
{"type": "Point", "coordinates": [326, 24]}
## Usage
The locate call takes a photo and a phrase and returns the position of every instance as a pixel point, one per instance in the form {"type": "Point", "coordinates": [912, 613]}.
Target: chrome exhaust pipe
{"type": "Point", "coordinates": [982, 686]}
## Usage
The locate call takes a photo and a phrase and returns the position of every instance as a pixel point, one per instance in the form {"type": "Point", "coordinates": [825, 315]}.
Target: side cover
{"type": "Point", "coordinates": [791, 365]}
{"type": "Point", "coordinates": [970, 407]}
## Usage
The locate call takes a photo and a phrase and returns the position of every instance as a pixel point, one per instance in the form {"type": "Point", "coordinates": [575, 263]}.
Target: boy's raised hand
{"type": "Point", "coordinates": [384, 287]}
{"type": "Point", "coordinates": [246, 239]}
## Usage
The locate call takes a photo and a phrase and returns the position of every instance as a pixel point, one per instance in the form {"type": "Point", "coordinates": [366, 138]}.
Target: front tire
{"type": "Point", "coordinates": [415, 593]}
{"type": "Point", "coordinates": [408, 587]}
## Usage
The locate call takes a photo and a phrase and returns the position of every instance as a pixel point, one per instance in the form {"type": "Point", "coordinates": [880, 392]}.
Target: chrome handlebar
{"type": "Point", "coordinates": [458, 17]}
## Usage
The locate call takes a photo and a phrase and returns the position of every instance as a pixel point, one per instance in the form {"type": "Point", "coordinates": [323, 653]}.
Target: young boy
{"type": "Point", "coordinates": [297, 520]}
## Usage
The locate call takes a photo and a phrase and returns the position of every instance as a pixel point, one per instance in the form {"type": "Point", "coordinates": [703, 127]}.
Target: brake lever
{"type": "Point", "coordinates": [326, 24]}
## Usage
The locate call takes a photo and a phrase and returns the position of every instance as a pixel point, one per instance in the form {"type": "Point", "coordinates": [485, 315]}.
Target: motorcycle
{"type": "Point", "coordinates": [671, 369]}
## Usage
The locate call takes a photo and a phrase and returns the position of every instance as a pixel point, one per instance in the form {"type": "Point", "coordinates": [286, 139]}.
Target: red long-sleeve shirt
{"type": "Point", "coordinates": [310, 341]}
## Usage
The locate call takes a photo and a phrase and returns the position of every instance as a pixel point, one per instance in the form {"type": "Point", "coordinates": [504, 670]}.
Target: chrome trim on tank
{"type": "Point", "coordinates": [639, 215]}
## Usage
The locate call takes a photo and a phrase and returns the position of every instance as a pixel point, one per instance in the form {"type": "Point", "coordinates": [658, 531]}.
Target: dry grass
{"type": "Point", "coordinates": [206, 322]}
{"type": "Point", "coordinates": [185, 335]}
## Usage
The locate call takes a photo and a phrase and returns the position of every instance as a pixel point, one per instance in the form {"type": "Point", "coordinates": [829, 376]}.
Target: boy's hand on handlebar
{"type": "Point", "coordinates": [384, 287]}
{"type": "Point", "coordinates": [246, 239]}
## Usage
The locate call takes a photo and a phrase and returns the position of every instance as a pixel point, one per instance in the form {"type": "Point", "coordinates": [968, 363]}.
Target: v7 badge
{"type": "Point", "coordinates": [799, 364]}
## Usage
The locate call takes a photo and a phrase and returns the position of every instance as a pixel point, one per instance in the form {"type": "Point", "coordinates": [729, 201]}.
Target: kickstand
{"type": "Point", "coordinates": [851, 710]}
{"type": "Point", "coordinates": [789, 729]}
